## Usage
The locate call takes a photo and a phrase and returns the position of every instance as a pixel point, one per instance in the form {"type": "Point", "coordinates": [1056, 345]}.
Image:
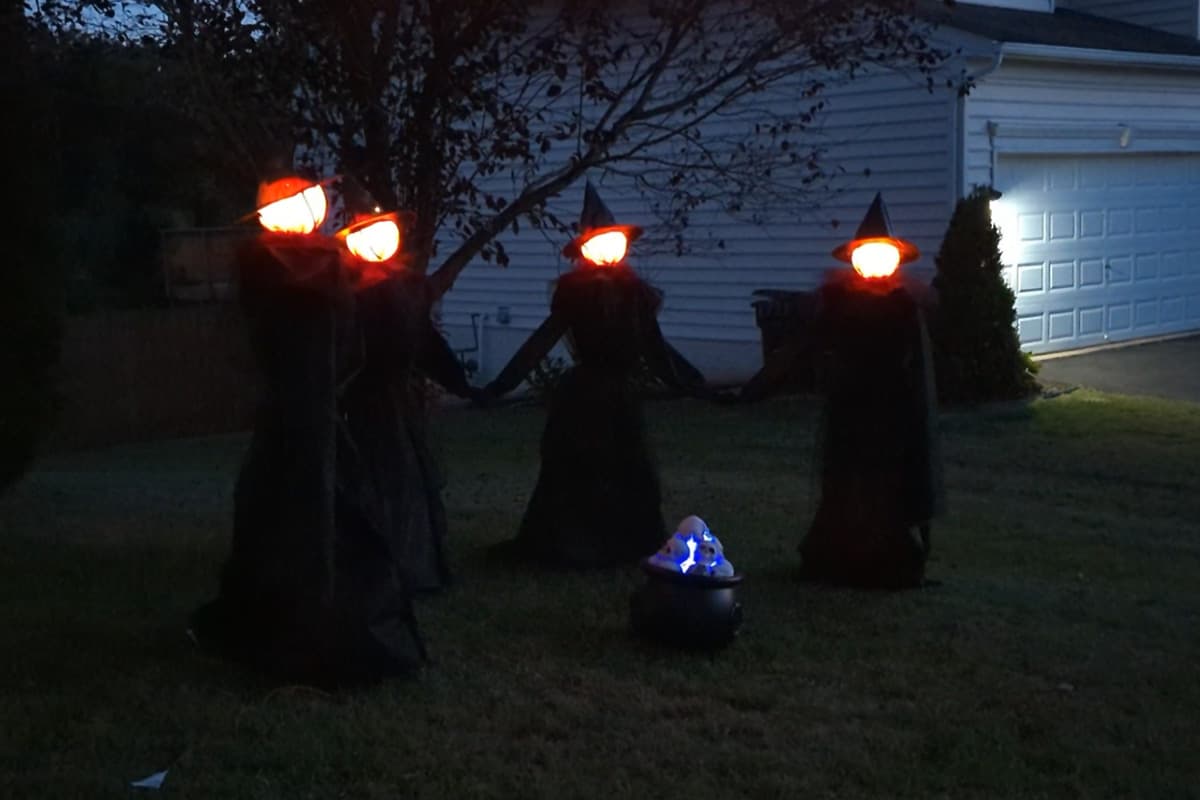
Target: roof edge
{"type": "Point", "coordinates": [1084, 55]}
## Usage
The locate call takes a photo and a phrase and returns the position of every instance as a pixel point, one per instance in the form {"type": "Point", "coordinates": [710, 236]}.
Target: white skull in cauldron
{"type": "Point", "coordinates": [693, 549]}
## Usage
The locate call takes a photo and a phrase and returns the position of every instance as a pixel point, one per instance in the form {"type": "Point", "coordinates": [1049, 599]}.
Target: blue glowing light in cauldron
{"type": "Point", "coordinates": [691, 556]}
{"type": "Point", "coordinates": [685, 560]}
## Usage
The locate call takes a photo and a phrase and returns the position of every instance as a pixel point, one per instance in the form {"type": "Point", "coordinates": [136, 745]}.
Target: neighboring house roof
{"type": "Point", "coordinates": [1062, 28]}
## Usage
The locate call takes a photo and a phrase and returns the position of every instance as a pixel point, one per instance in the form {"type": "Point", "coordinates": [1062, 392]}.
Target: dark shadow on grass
{"type": "Point", "coordinates": [121, 632]}
{"type": "Point", "coordinates": [791, 573]}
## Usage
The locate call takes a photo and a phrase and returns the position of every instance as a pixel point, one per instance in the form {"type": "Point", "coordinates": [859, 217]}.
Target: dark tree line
{"type": "Point", "coordinates": [30, 301]}
{"type": "Point", "coordinates": [130, 163]}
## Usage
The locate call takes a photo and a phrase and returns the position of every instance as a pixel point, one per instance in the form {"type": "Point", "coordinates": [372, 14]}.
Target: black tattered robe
{"type": "Point", "coordinates": [880, 473]}
{"type": "Point", "coordinates": [325, 555]}
{"type": "Point", "coordinates": [597, 501]}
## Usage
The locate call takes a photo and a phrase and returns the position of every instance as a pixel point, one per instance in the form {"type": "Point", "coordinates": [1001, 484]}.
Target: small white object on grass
{"type": "Point", "coordinates": [154, 781]}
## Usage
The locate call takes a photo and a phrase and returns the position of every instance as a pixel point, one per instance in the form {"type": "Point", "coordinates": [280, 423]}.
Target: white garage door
{"type": "Point", "coordinates": [1101, 248]}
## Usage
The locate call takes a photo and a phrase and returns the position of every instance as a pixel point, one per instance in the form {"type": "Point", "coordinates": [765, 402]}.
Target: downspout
{"type": "Point", "coordinates": [997, 60]}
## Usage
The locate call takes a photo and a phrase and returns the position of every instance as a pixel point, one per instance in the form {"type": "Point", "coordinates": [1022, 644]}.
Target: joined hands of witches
{"type": "Point", "coordinates": [726, 397]}
{"type": "Point", "coordinates": [484, 397]}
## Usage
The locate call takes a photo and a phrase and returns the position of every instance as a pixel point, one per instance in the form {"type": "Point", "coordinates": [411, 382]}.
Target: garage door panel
{"type": "Point", "coordinates": [1120, 222]}
{"type": "Point", "coordinates": [1091, 273]}
{"type": "Point", "coordinates": [1061, 176]}
{"type": "Point", "coordinates": [1091, 224]}
{"type": "Point", "coordinates": [1062, 275]}
{"type": "Point", "coordinates": [1062, 225]}
{"type": "Point", "coordinates": [1094, 223]}
{"type": "Point", "coordinates": [1173, 219]}
{"type": "Point", "coordinates": [1091, 321]}
{"type": "Point", "coordinates": [1029, 329]}
{"type": "Point", "coordinates": [1101, 247]}
{"type": "Point", "coordinates": [1118, 270]}
{"type": "Point", "coordinates": [1145, 220]}
{"type": "Point", "coordinates": [1092, 175]}
{"type": "Point", "coordinates": [1173, 310]}
{"type": "Point", "coordinates": [1032, 227]}
{"type": "Point", "coordinates": [1174, 264]}
{"type": "Point", "coordinates": [1145, 313]}
{"type": "Point", "coordinates": [1030, 278]}
{"type": "Point", "coordinates": [1120, 317]}
{"type": "Point", "coordinates": [1145, 267]}
{"type": "Point", "coordinates": [1060, 325]}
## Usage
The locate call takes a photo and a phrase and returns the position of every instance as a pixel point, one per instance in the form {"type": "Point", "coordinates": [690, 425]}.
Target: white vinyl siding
{"type": "Point", "coordinates": [1024, 5]}
{"type": "Point", "coordinates": [1174, 16]}
{"type": "Point", "coordinates": [1047, 108]}
{"type": "Point", "coordinates": [888, 123]}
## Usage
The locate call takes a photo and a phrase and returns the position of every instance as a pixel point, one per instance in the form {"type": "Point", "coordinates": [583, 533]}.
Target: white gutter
{"type": "Point", "coordinates": [1084, 55]}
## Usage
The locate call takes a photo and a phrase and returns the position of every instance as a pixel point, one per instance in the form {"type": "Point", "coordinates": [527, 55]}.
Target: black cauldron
{"type": "Point", "coordinates": [693, 611]}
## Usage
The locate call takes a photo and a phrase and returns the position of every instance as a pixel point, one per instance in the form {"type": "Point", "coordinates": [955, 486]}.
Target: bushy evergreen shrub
{"type": "Point", "coordinates": [977, 355]}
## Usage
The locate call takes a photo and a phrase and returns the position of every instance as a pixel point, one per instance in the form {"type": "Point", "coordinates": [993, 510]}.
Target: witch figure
{"type": "Point", "coordinates": [597, 501]}
{"type": "Point", "coordinates": [311, 590]}
{"type": "Point", "coordinates": [880, 474]}
{"type": "Point", "coordinates": [393, 473]}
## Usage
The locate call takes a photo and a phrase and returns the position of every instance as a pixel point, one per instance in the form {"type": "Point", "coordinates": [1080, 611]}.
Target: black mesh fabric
{"type": "Point", "coordinates": [879, 471]}
{"type": "Point", "coordinates": [316, 587]}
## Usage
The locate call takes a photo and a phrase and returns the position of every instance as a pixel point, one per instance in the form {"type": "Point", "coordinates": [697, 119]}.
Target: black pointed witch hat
{"type": "Point", "coordinates": [876, 226]}
{"type": "Point", "coordinates": [596, 218]}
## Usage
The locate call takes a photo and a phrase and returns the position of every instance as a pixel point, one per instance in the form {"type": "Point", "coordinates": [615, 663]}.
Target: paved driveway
{"type": "Point", "coordinates": [1162, 369]}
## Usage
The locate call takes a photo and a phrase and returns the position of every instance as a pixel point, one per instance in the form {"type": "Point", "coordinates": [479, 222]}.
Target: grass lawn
{"type": "Point", "coordinates": [1059, 657]}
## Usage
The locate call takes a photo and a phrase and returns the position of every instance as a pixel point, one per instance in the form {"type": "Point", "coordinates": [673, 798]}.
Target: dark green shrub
{"type": "Point", "coordinates": [977, 355]}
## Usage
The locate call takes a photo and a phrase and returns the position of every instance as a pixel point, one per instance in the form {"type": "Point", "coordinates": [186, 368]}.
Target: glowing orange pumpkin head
{"type": "Point", "coordinates": [605, 247]}
{"type": "Point", "coordinates": [291, 205]}
{"type": "Point", "coordinates": [374, 238]}
{"type": "Point", "coordinates": [875, 258]}
{"type": "Point", "coordinates": [874, 252]}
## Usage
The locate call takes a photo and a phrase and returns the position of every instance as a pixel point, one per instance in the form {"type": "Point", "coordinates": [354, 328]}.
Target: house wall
{"type": "Point", "coordinates": [1175, 16]}
{"type": "Point", "coordinates": [1037, 107]}
{"type": "Point", "coordinates": [1025, 5]}
{"type": "Point", "coordinates": [885, 121]}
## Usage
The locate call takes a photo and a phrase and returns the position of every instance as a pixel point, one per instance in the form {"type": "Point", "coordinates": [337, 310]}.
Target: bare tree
{"type": "Point", "coordinates": [472, 114]}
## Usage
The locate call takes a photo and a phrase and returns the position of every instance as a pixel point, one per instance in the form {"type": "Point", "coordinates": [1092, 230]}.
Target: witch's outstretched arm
{"type": "Point", "coordinates": [526, 358]}
{"type": "Point", "coordinates": [776, 370]}
{"type": "Point", "coordinates": [439, 362]}
{"type": "Point", "coordinates": [669, 364]}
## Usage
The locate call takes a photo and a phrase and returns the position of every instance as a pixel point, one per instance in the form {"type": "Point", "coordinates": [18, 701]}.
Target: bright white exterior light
{"type": "Point", "coordinates": [1004, 217]}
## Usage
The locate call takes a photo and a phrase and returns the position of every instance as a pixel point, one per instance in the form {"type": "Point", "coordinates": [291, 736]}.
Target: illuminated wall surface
{"type": "Point", "coordinates": [1100, 248]}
